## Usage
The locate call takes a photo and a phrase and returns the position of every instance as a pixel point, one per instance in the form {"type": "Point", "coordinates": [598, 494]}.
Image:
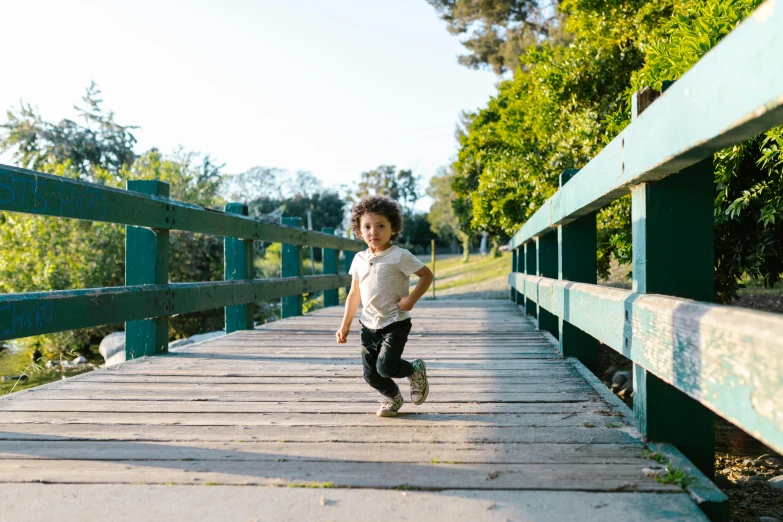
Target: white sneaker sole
{"type": "Point", "coordinates": [386, 413]}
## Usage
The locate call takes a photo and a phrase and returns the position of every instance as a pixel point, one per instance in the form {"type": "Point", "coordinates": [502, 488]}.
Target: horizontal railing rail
{"type": "Point", "coordinates": [149, 298]}
{"type": "Point", "coordinates": [729, 359]}
{"type": "Point", "coordinates": [38, 313]}
{"type": "Point", "coordinates": [31, 192]}
{"type": "Point", "coordinates": [691, 358]}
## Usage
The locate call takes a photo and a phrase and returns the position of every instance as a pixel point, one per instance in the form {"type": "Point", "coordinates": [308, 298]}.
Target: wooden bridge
{"type": "Point", "coordinates": [511, 431]}
{"type": "Point", "coordinates": [516, 427]}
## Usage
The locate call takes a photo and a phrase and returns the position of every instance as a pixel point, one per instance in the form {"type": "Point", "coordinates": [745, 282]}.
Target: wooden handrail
{"type": "Point", "coordinates": [149, 299]}
{"type": "Point", "coordinates": [32, 192]}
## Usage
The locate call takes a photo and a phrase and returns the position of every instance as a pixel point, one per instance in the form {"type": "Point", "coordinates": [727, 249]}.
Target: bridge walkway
{"type": "Point", "coordinates": [511, 431]}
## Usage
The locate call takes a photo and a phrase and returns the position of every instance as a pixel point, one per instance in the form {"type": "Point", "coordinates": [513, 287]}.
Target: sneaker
{"type": "Point", "coordinates": [390, 406]}
{"type": "Point", "coordinates": [420, 388]}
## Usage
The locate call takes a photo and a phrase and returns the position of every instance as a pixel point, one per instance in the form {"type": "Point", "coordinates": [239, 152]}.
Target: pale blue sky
{"type": "Point", "coordinates": [334, 87]}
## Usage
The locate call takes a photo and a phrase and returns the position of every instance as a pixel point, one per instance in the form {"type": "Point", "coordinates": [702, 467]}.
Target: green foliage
{"type": "Point", "coordinates": [102, 142]}
{"type": "Point", "coordinates": [442, 220]}
{"type": "Point", "coordinates": [496, 32]}
{"type": "Point", "coordinates": [676, 476]}
{"type": "Point", "coordinates": [400, 185]}
{"type": "Point", "coordinates": [552, 117]}
{"type": "Point", "coordinates": [748, 176]}
{"type": "Point", "coordinates": [565, 102]}
{"type": "Point", "coordinates": [416, 233]}
{"type": "Point", "coordinates": [42, 254]}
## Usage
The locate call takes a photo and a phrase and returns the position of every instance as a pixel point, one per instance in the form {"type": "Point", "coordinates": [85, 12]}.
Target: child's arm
{"type": "Point", "coordinates": [351, 305]}
{"type": "Point", "coordinates": [425, 280]}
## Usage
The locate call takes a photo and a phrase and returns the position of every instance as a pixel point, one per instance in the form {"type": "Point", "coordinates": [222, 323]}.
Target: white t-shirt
{"type": "Point", "coordinates": [384, 277]}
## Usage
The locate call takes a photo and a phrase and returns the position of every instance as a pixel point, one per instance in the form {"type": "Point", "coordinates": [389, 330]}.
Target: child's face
{"type": "Point", "coordinates": [376, 230]}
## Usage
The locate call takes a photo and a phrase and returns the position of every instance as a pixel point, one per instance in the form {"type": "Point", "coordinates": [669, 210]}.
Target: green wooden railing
{"type": "Point", "coordinates": [149, 299]}
{"type": "Point", "coordinates": [691, 358]}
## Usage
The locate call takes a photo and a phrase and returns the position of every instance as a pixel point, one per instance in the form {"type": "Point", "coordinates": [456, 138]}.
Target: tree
{"type": "Point", "coordinates": [553, 116]}
{"type": "Point", "coordinates": [102, 142]}
{"type": "Point", "coordinates": [497, 32]}
{"type": "Point", "coordinates": [442, 217]}
{"type": "Point", "coordinates": [400, 185]}
{"type": "Point", "coordinates": [565, 103]}
{"type": "Point", "coordinates": [41, 254]}
{"type": "Point", "coordinates": [748, 206]}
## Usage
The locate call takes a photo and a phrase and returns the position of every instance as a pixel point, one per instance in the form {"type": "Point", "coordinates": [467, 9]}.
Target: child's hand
{"type": "Point", "coordinates": [406, 303]}
{"type": "Point", "coordinates": [342, 334]}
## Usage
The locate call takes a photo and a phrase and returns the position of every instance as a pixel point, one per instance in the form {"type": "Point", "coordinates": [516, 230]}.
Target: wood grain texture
{"type": "Point", "coordinates": [285, 406]}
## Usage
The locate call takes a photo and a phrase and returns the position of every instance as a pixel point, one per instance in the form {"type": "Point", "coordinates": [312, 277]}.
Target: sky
{"type": "Point", "coordinates": [333, 87]}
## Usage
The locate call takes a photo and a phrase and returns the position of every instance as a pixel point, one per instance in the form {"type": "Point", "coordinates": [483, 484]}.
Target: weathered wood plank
{"type": "Point", "coordinates": [75, 503]}
{"type": "Point", "coordinates": [368, 418]}
{"type": "Point", "coordinates": [168, 405]}
{"type": "Point", "coordinates": [308, 388]}
{"type": "Point", "coordinates": [389, 433]}
{"type": "Point", "coordinates": [370, 396]}
{"type": "Point", "coordinates": [582, 477]}
{"type": "Point", "coordinates": [540, 453]}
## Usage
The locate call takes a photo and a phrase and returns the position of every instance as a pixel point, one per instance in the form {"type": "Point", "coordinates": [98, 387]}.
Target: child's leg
{"type": "Point", "coordinates": [370, 342]}
{"type": "Point", "coordinates": [390, 362]}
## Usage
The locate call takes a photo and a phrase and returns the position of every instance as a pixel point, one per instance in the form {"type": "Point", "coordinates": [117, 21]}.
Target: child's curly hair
{"type": "Point", "coordinates": [381, 205]}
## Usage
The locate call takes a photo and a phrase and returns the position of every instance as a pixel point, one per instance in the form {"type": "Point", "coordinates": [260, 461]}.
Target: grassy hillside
{"type": "Point", "coordinates": [480, 278]}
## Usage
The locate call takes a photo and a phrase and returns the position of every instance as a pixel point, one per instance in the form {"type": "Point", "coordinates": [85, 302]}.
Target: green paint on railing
{"type": "Point", "coordinates": [31, 192]}
{"type": "Point", "coordinates": [292, 267]}
{"type": "Point", "coordinates": [238, 265]}
{"type": "Point", "coordinates": [331, 297]}
{"type": "Point", "coordinates": [147, 263]}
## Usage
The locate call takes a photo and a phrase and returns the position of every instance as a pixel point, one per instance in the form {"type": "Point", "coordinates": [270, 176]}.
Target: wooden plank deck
{"type": "Point", "coordinates": [510, 431]}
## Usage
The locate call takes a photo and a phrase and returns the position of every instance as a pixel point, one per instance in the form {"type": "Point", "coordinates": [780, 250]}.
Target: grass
{"type": "Point", "coordinates": [436, 460]}
{"type": "Point", "coordinates": [657, 457]}
{"type": "Point", "coordinates": [314, 485]}
{"type": "Point", "coordinates": [451, 272]}
{"type": "Point", "coordinates": [676, 476]}
{"type": "Point", "coordinates": [14, 364]}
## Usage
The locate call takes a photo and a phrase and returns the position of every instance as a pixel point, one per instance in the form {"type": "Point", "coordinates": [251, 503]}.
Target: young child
{"type": "Point", "coordinates": [381, 278]}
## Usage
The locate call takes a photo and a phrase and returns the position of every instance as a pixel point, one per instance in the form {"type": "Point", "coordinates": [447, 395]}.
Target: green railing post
{"type": "Point", "coordinates": [330, 267]}
{"type": "Point", "coordinates": [511, 291]}
{"type": "Point", "coordinates": [238, 265]}
{"type": "Point", "coordinates": [147, 263]}
{"type": "Point", "coordinates": [530, 269]}
{"type": "Point", "coordinates": [292, 267]}
{"type": "Point", "coordinates": [348, 257]}
{"type": "Point", "coordinates": [672, 225]}
{"type": "Point", "coordinates": [546, 262]}
{"type": "Point", "coordinates": [519, 266]}
{"type": "Point", "coordinates": [577, 261]}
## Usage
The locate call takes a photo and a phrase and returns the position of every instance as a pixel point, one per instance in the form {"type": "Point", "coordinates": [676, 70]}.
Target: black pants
{"type": "Point", "coordinates": [382, 356]}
